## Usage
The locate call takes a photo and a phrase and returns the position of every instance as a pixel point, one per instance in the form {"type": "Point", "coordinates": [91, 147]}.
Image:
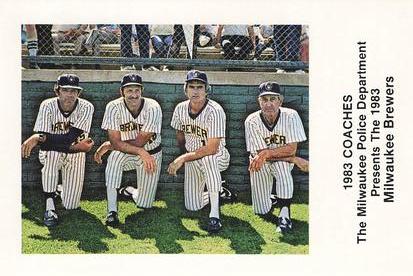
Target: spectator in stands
{"type": "Point", "coordinates": [143, 37]}
{"type": "Point", "coordinates": [103, 34]}
{"type": "Point", "coordinates": [161, 39]}
{"type": "Point", "coordinates": [206, 36]}
{"type": "Point", "coordinates": [264, 39]}
{"type": "Point", "coordinates": [32, 44]}
{"type": "Point", "coordinates": [76, 34]}
{"type": "Point", "coordinates": [231, 36]}
{"type": "Point", "coordinates": [287, 42]}
{"type": "Point", "coordinates": [304, 44]}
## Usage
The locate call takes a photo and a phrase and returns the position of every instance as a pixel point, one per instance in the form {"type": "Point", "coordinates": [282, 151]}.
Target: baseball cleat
{"type": "Point", "coordinates": [112, 219]}
{"type": "Point", "coordinates": [226, 194]}
{"type": "Point", "coordinates": [123, 192]}
{"type": "Point", "coordinates": [50, 218]}
{"type": "Point", "coordinates": [214, 225]}
{"type": "Point", "coordinates": [284, 225]}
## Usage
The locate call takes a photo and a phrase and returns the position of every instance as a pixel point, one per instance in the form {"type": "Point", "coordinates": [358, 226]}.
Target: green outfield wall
{"type": "Point", "coordinates": [236, 92]}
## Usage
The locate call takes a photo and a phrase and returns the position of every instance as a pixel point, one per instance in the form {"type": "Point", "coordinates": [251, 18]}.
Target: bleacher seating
{"type": "Point", "coordinates": [113, 50]}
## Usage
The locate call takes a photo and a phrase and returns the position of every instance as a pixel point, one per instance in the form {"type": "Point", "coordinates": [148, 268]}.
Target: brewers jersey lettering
{"type": "Point", "coordinates": [51, 119]}
{"type": "Point", "coordinates": [288, 128]}
{"type": "Point", "coordinates": [149, 119]}
{"type": "Point", "coordinates": [198, 128]}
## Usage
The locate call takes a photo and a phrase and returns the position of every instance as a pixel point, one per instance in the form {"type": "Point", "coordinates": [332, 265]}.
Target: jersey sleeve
{"type": "Point", "coordinates": [111, 118]}
{"type": "Point", "coordinates": [253, 138]}
{"type": "Point", "coordinates": [216, 124]}
{"type": "Point", "coordinates": [176, 122]}
{"type": "Point", "coordinates": [296, 131]}
{"type": "Point", "coordinates": [153, 121]}
{"type": "Point", "coordinates": [84, 120]}
{"type": "Point", "coordinates": [43, 121]}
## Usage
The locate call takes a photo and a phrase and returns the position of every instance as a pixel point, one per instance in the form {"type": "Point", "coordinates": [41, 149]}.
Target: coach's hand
{"type": "Point", "coordinates": [301, 163]}
{"type": "Point", "coordinates": [104, 148]}
{"type": "Point", "coordinates": [258, 161]}
{"type": "Point", "coordinates": [175, 166]}
{"type": "Point", "coordinates": [29, 144]}
{"type": "Point", "coordinates": [148, 160]}
{"type": "Point", "coordinates": [83, 146]}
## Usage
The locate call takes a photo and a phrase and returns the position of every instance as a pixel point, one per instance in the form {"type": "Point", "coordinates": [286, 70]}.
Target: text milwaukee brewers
{"type": "Point", "coordinates": [368, 137]}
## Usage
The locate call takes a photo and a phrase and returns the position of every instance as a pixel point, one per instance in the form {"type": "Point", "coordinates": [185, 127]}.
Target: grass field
{"type": "Point", "coordinates": [166, 228]}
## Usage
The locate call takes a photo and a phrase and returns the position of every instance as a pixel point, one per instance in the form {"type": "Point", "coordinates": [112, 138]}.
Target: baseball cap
{"type": "Point", "coordinates": [68, 81]}
{"type": "Point", "coordinates": [269, 88]}
{"type": "Point", "coordinates": [196, 75]}
{"type": "Point", "coordinates": [131, 79]}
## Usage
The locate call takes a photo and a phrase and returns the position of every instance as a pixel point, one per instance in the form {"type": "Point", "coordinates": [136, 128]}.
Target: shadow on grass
{"type": "Point", "coordinates": [169, 228]}
{"type": "Point", "coordinates": [246, 240]}
{"type": "Point", "coordinates": [141, 225]}
{"type": "Point", "coordinates": [74, 225]}
{"type": "Point", "coordinates": [299, 234]}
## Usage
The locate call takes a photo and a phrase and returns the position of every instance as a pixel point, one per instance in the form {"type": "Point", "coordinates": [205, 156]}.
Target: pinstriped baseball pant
{"type": "Point", "coordinates": [201, 172]}
{"type": "Point", "coordinates": [118, 162]}
{"type": "Point", "coordinates": [72, 166]}
{"type": "Point", "coordinates": [262, 181]}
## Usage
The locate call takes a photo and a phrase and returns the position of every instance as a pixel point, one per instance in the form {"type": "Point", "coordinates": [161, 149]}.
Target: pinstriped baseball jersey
{"type": "Point", "coordinates": [208, 123]}
{"type": "Point", "coordinates": [259, 135]}
{"type": "Point", "coordinates": [288, 128]}
{"type": "Point", "coordinates": [52, 119]}
{"type": "Point", "coordinates": [149, 119]}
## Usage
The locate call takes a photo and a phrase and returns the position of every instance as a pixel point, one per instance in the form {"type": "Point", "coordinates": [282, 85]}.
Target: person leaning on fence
{"type": "Point", "coordinates": [142, 33]}
{"type": "Point", "coordinates": [231, 36]}
{"type": "Point", "coordinates": [76, 34]}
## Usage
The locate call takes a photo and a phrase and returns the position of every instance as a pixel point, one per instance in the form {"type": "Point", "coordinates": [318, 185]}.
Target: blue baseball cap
{"type": "Point", "coordinates": [196, 75]}
{"type": "Point", "coordinates": [68, 81]}
{"type": "Point", "coordinates": [269, 88]}
{"type": "Point", "coordinates": [131, 79]}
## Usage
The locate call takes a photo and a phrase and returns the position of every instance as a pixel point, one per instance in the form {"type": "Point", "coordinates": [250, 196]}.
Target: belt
{"type": "Point", "coordinates": [155, 150]}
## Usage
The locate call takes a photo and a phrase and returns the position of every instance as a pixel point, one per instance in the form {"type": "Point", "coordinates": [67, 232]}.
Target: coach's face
{"type": "Point", "coordinates": [132, 94]}
{"type": "Point", "coordinates": [68, 96]}
{"type": "Point", "coordinates": [270, 104]}
{"type": "Point", "coordinates": [196, 91]}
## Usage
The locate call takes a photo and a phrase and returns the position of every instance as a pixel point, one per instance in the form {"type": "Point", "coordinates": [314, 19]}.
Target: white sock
{"type": "Point", "coordinates": [214, 200]}
{"type": "Point", "coordinates": [112, 199]}
{"type": "Point", "coordinates": [134, 193]}
{"type": "Point", "coordinates": [50, 204]}
{"type": "Point", "coordinates": [285, 212]}
{"type": "Point", "coordinates": [32, 47]}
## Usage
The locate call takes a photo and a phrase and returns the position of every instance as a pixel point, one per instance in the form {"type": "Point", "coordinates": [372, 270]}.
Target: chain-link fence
{"type": "Point", "coordinates": [148, 45]}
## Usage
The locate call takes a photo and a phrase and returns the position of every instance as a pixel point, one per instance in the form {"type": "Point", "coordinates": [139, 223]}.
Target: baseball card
{"type": "Point", "coordinates": [199, 138]}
